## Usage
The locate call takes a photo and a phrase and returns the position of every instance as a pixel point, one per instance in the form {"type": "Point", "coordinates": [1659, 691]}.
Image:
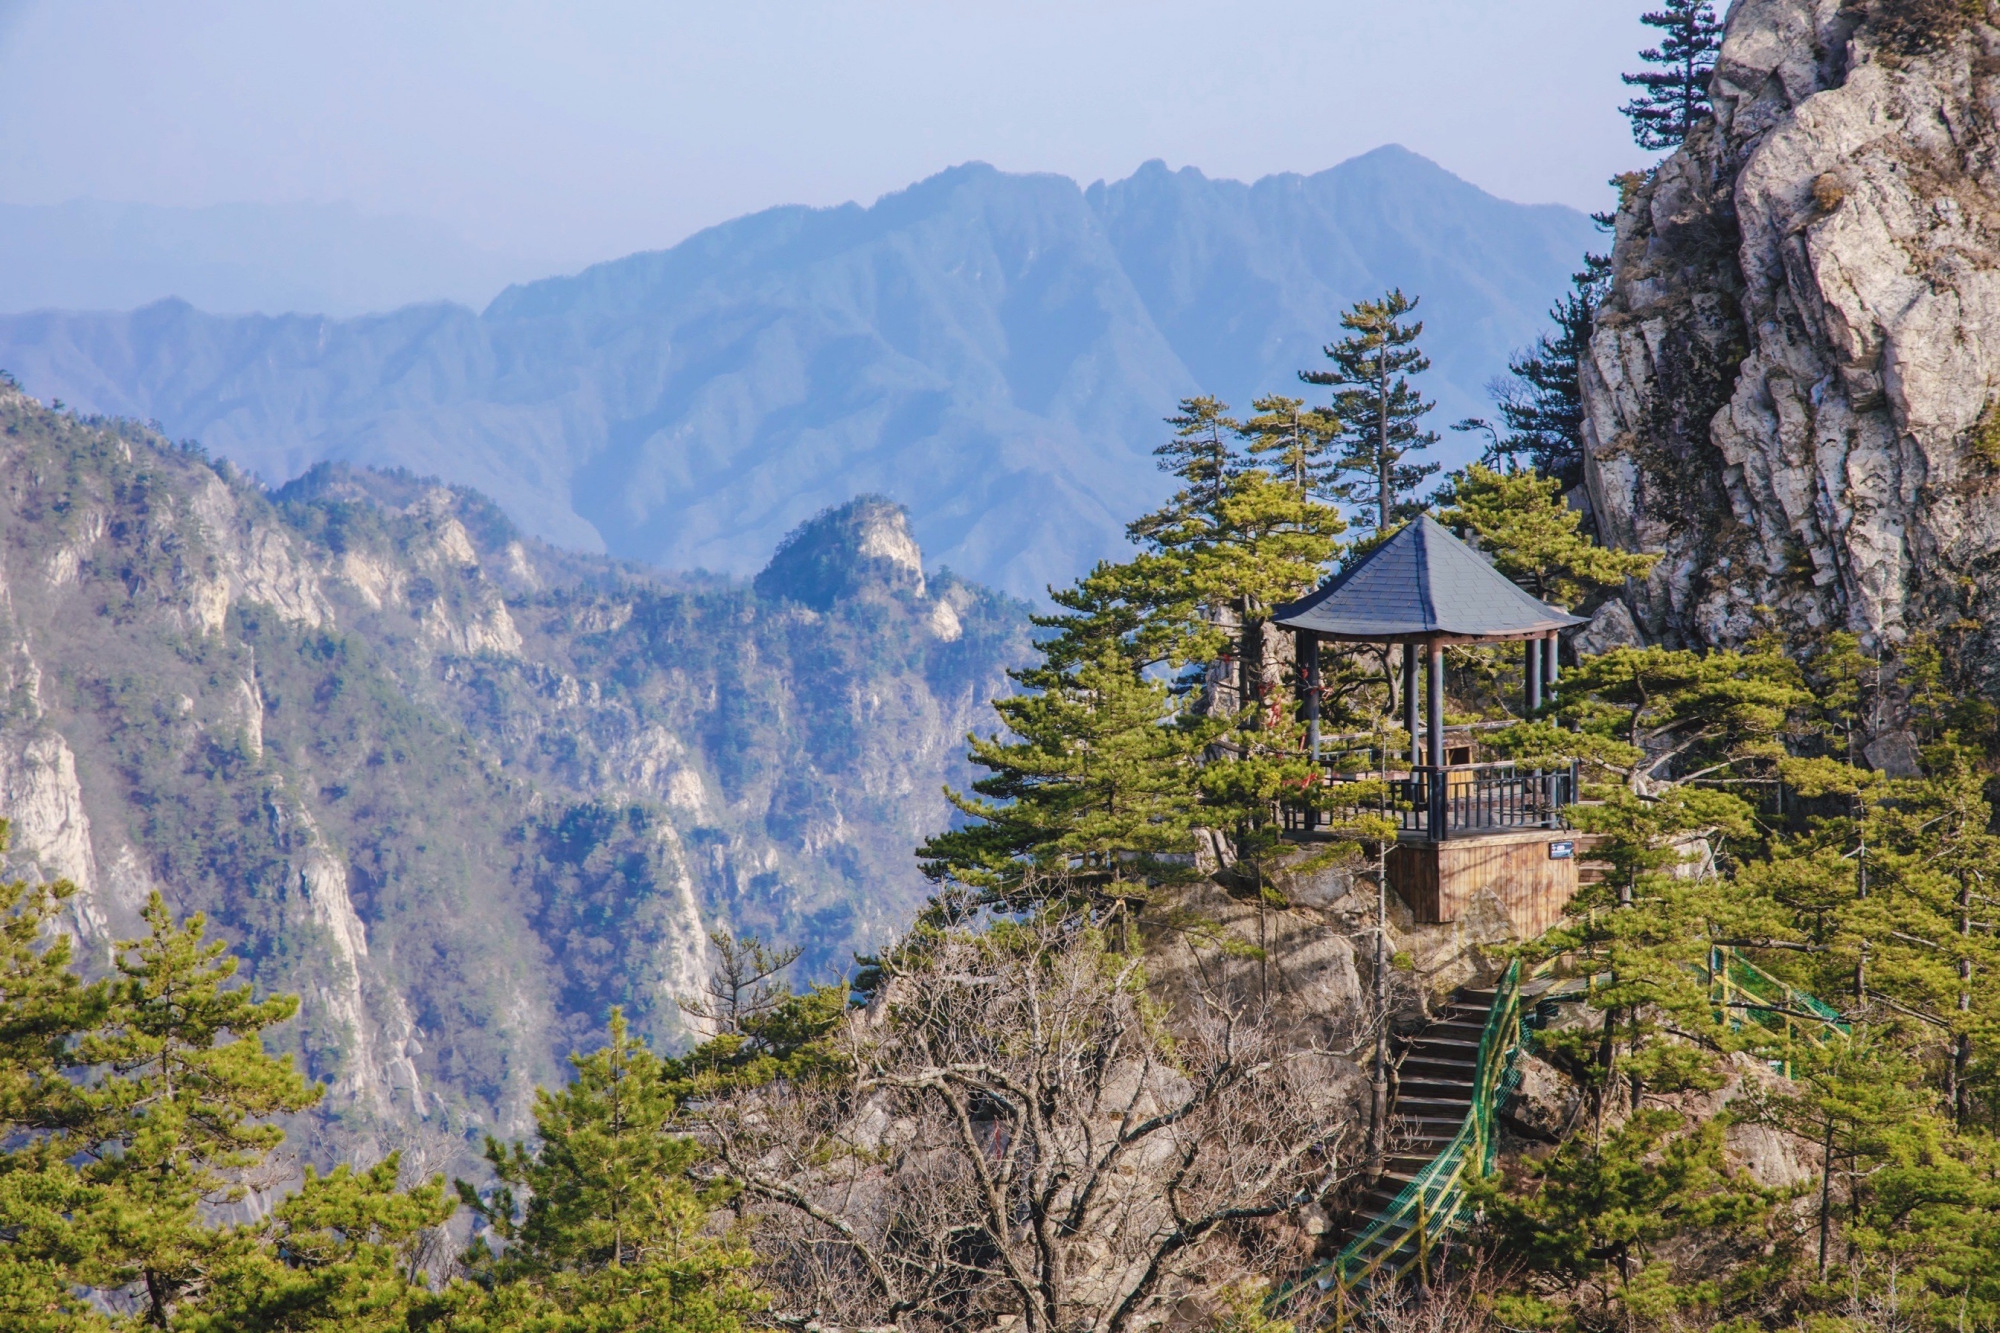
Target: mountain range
{"type": "Point", "coordinates": [460, 791]}
{"type": "Point", "coordinates": [993, 351]}
{"type": "Point", "coordinates": [331, 259]}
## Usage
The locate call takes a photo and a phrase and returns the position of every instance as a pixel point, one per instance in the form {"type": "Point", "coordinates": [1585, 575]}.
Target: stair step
{"type": "Point", "coordinates": [1446, 1041]}
{"type": "Point", "coordinates": [1433, 1088]}
{"type": "Point", "coordinates": [1435, 1084]}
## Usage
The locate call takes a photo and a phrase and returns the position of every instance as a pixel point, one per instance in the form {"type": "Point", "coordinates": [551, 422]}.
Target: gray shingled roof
{"type": "Point", "coordinates": [1421, 581]}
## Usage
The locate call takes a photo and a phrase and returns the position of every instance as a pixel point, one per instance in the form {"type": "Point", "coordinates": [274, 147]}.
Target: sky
{"type": "Point", "coordinates": [594, 128]}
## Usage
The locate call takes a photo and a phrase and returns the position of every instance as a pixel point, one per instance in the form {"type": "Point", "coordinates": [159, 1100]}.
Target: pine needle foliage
{"type": "Point", "coordinates": [1380, 412]}
{"type": "Point", "coordinates": [1673, 94]}
{"type": "Point", "coordinates": [601, 1227]}
{"type": "Point", "coordinates": [1533, 537]}
{"type": "Point", "coordinates": [1540, 401]}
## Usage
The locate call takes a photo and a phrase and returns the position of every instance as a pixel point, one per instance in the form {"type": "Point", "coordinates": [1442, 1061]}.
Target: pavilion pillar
{"type": "Point", "coordinates": [1531, 676]}
{"type": "Point", "coordinates": [1550, 645]}
{"type": "Point", "coordinates": [1410, 703]}
{"type": "Point", "coordinates": [1434, 705]}
{"type": "Point", "coordinates": [1308, 670]}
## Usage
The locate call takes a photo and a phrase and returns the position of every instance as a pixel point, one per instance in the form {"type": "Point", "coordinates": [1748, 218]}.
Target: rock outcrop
{"type": "Point", "coordinates": [1791, 389]}
{"type": "Point", "coordinates": [850, 550]}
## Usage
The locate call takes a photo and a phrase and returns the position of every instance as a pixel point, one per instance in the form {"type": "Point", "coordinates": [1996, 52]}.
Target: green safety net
{"type": "Point", "coordinates": [1403, 1235]}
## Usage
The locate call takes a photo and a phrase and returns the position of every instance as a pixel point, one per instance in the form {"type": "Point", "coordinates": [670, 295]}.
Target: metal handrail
{"type": "Point", "coordinates": [1735, 983]}
{"type": "Point", "coordinates": [1433, 1203]}
{"type": "Point", "coordinates": [1436, 802]}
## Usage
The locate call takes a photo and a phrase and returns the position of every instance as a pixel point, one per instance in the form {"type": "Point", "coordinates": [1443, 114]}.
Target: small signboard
{"type": "Point", "coordinates": [1562, 851]}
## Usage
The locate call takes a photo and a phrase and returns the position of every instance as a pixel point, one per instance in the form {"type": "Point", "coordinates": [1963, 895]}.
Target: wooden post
{"type": "Point", "coordinates": [1410, 702]}
{"type": "Point", "coordinates": [1308, 655]}
{"type": "Point", "coordinates": [1434, 706]}
{"type": "Point", "coordinates": [1549, 668]}
{"type": "Point", "coordinates": [1531, 674]}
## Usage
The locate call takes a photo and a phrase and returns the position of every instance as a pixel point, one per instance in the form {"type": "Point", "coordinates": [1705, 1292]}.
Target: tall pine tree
{"type": "Point", "coordinates": [1381, 415]}
{"type": "Point", "coordinates": [1673, 96]}
{"type": "Point", "coordinates": [1293, 441]}
{"type": "Point", "coordinates": [180, 1112]}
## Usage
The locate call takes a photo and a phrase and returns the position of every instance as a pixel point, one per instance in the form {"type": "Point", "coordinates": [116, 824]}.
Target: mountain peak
{"type": "Point", "coordinates": [840, 552]}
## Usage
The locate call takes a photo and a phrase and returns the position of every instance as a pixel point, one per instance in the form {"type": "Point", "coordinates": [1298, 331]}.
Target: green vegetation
{"type": "Point", "coordinates": [1380, 414]}
{"type": "Point", "coordinates": [1673, 96]}
{"type": "Point", "coordinates": [1164, 701]}
{"type": "Point", "coordinates": [1534, 538]}
{"type": "Point", "coordinates": [1542, 406]}
{"type": "Point", "coordinates": [137, 1119]}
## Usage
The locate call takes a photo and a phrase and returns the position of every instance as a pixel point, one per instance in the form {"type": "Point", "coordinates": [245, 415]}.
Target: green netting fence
{"type": "Point", "coordinates": [1747, 994]}
{"type": "Point", "coordinates": [1403, 1236]}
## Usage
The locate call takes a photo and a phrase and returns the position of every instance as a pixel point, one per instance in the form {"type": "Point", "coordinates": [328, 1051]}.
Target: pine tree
{"type": "Point", "coordinates": [179, 1112]}
{"type": "Point", "coordinates": [1202, 454]}
{"type": "Point", "coordinates": [1602, 1215]}
{"type": "Point", "coordinates": [606, 1232]}
{"type": "Point", "coordinates": [1534, 538]}
{"type": "Point", "coordinates": [1674, 95]}
{"type": "Point", "coordinates": [1095, 800]}
{"type": "Point", "coordinates": [344, 1253]}
{"type": "Point", "coordinates": [1381, 415]}
{"type": "Point", "coordinates": [1293, 442]}
{"type": "Point", "coordinates": [44, 1008]}
{"type": "Point", "coordinates": [1542, 405]}
{"type": "Point", "coordinates": [1114, 770]}
{"type": "Point", "coordinates": [1656, 719]}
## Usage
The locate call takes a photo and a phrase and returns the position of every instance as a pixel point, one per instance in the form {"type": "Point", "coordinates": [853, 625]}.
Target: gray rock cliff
{"type": "Point", "coordinates": [1791, 387]}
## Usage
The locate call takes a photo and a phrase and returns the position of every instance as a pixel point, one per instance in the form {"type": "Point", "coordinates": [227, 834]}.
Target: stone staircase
{"type": "Point", "coordinates": [1432, 1097]}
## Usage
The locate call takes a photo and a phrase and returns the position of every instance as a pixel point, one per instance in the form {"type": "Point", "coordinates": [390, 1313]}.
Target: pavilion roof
{"type": "Point", "coordinates": [1422, 583]}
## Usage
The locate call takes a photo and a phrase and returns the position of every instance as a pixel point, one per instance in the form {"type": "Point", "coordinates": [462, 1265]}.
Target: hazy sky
{"type": "Point", "coordinates": [587, 129]}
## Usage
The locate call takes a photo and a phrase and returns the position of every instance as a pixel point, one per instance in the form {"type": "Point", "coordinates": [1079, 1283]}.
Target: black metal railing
{"type": "Point", "coordinates": [1429, 804]}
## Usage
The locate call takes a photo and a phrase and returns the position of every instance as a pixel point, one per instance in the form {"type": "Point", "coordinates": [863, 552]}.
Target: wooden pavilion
{"type": "Point", "coordinates": [1464, 827]}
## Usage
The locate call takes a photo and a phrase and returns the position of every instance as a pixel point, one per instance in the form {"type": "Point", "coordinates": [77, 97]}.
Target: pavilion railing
{"type": "Point", "coordinates": [1430, 803]}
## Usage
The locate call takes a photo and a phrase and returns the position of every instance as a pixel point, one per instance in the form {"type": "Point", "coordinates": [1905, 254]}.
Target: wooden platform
{"type": "Point", "coordinates": [1526, 870]}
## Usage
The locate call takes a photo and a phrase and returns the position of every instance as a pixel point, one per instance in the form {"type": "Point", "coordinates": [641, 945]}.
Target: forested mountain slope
{"type": "Point", "coordinates": [458, 790]}
{"type": "Point", "coordinates": [993, 351]}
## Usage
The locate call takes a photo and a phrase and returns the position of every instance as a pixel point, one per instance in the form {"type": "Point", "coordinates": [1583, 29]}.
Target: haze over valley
{"type": "Point", "coordinates": [993, 351]}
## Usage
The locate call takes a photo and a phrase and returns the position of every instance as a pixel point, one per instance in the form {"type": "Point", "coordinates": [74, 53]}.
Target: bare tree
{"type": "Point", "coordinates": [742, 987]}
{"type": "Point", "coordinates": [1018, 1132]}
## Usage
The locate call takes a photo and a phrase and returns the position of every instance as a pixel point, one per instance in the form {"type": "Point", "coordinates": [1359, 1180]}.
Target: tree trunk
{"type": "Point", "coordinates": [1378, 1086]}
{"type": "Point", "coordinates": [1825, 1193]}
{"type": "Point", "coordinates": [1384, 499]}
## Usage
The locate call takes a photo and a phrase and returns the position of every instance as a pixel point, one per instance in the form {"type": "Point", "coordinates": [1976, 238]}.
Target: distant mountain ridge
{"type": "Point", "coordinates": [330, 259]}
{"type": "Point", "coordinates": [992, 351]}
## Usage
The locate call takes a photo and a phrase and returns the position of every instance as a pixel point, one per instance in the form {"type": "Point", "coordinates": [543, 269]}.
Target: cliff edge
{"type": "Point", "coordinates": [1791, 390]}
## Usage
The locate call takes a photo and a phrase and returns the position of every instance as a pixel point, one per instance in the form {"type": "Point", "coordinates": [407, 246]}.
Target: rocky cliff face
{"type": "Point", "coordinates": [1792, 386]}
{"type": "Point", "coordinates": [458, 790]}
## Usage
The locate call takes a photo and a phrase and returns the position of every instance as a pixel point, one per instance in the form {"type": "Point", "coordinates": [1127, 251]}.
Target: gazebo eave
{"type": "Point", "coordinates": [1441, 638]}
